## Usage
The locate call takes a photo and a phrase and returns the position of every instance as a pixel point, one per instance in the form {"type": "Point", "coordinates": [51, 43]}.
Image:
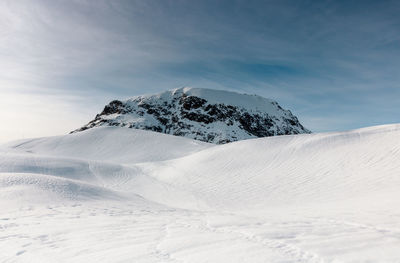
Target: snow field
{"type": "Point", "coordinates": [122, 195]}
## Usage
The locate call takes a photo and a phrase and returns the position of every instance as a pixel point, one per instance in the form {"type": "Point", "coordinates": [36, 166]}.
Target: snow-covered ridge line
{"type": "Point", "coordinates": [111, 144]}
{"type": "Point", "coordinates": [207, 115]}
{"type": "Point", "coordinates": [246, 101]}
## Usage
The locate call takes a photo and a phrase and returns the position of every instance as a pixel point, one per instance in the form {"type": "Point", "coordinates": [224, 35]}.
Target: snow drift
{"type": "Point", "coordinates": [258, 173]}
{"type": "Point", "coordinates": [297, 198]}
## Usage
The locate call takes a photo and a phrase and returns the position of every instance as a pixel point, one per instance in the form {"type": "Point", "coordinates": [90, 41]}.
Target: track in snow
{"type": "Point", "coordinates": [117, 194]}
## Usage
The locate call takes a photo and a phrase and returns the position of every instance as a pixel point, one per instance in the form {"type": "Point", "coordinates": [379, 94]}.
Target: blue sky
{"type": "Point", "coordinates": [335, 64]}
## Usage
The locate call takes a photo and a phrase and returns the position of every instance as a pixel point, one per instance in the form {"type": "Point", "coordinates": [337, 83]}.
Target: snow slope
{"type": "Point", "coordinates": [123, 195]}
{"type": "Point", "coordinates": [291, 170]}
{"type": "Point", "coordinates": [111, 144]}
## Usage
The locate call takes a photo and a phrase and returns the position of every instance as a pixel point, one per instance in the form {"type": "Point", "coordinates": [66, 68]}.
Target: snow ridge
{"type": "Point", "coordinates": [207, 115]}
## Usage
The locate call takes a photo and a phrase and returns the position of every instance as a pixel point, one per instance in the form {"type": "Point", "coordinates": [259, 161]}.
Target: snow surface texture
{"type": "Point", "coordinates": [207, 115]}
{"type": "Point", "coordinates": [112, 194]}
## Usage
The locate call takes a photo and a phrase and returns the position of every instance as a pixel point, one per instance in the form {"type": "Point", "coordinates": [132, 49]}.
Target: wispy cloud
{"type": "Point", "coordinates": [335, 61]}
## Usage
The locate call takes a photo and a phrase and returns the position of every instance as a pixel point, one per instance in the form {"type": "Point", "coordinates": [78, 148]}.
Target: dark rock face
{"type": "Point", "coordinates": [194, 117]}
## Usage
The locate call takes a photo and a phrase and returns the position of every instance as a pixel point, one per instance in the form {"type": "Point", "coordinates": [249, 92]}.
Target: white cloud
{"type": "Point", "coordinates": [60, 60]}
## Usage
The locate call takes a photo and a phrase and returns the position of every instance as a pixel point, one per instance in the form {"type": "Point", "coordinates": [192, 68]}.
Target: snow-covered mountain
{"type": "Point", "coordinates": [207, 115]}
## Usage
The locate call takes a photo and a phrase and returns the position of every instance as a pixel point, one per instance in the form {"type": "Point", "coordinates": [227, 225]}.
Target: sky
{"type": "Point", "coordinates": [334, 64]}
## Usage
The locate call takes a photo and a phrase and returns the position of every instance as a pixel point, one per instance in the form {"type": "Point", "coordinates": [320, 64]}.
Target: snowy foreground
{"type": "Point", "coordinates": [122, 195]}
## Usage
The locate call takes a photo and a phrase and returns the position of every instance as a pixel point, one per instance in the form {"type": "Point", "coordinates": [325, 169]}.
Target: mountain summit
{"type": "Point", "coordinates": [207, 115]}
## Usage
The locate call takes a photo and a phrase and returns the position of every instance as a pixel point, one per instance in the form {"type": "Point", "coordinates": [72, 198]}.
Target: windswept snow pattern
{"type": "Point", "coordinates": [111, 194]}
{"type": "Point", "coordinates": [207, 115]}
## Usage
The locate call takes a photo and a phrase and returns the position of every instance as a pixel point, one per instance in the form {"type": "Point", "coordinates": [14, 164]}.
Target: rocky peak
{"type": "Point", "coordinates": [213, 116]}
